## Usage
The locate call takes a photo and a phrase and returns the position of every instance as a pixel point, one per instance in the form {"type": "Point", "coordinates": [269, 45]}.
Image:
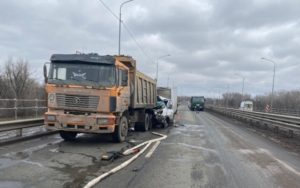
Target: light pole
{"type": "Point", "coordinates": [120, 22]}
{"type": "Point", "coordinates": [227, 96]}
{"type": "Point", "coordinates": [161, 57]}
{"type": "Point", "coordinates": [243, 85]}
{"type": "Point", "coordinates": [274, 70]}
{"type": "Point", "coordinates": [168, 80]}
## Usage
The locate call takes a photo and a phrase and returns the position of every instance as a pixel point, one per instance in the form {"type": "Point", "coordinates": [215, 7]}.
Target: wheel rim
{"type": "Point", "coordinates": [124, 129]}
{"type": "Point", "coordinates": [147, 122]}
{"type": "Point", "coordinates": [150, 123]}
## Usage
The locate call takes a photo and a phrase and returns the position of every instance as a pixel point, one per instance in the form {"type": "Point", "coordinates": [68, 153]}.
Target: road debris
{"type": "Point", "coordinates": [109, 156]}
{"type": "Point", "coordinates": [126, 163]}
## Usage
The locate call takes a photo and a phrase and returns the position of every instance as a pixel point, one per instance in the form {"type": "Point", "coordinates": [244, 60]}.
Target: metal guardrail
{"type": "Point", "coordinates": [291, 123]}
{"type": "Point", "coordinates": [19, 125]}
{"type": "Point", "coordinates": [282, 111]}
{"type": "Point", "coordinates": [15, 106]}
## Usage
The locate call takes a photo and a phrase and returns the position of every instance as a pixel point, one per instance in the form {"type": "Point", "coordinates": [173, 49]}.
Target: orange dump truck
{"type": "Point", "coordinates": [89, 93]}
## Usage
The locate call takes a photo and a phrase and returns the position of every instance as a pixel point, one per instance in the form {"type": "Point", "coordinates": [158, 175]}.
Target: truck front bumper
{"type": "Point", "coordinates": [198, 108]}
{"type": "Point", "coordinates": [80, 123]}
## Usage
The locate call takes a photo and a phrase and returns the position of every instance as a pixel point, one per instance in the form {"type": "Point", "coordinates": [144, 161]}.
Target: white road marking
{"type": "Point", "coordinates": [194, 125]}
{"type": "Point", "coordinates": [197, 147]}
{"type": "Point", "coordinates": [267, 152]}
{"type": "Point", "coordinates": [192, 146]}
{"type": "Point", "coordinates": [33, 163]}
{"type": "Point", "coordinates": [288, 167]}
{"type": "Point", "coordinates": [151, 151]}
{"type": "Point", "coordinates": [246, 151]}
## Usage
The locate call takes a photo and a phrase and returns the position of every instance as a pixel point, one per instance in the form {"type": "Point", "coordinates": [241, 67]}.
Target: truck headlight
{"type": "Point", "coordinates": [102, 121]}
{"type": "Point", "coordinates": [105, 121]}
{"type": "Point", "coordinates": [51, 98]}
{"type": "Point", "coordinates": [51, 118]}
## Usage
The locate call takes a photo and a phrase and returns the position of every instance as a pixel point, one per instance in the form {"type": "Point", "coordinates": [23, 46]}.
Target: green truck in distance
{"type": "Point", "coordinates": [197, 103]}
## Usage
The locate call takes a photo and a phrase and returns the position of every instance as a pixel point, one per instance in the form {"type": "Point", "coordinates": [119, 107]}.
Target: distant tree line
{"type": "Point", "coordinates": [285, 102]}
{"type": "Point", "coordinates": [17, 82]}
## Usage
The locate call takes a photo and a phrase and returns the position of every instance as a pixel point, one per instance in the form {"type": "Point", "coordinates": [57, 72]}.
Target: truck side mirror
{"type": "Point", "coordinates": [45, 73]}
{"type": "Point", "coordinates": [124, 78]}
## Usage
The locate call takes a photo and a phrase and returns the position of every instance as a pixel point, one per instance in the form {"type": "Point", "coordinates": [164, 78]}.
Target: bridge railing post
{"type": "Point", "coordinates": [19, 132]}
{"type": "Point", "coordinates": [36, 107]}
{"type": "Point", "coordinates": [16, 108]}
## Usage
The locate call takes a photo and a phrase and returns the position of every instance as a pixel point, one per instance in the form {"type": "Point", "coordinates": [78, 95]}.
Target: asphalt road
{"type": "Point", "coordinates": [203, 151]}
{"type": "Point", "coordinates": [51, 162]}
{"type": "Point", "coordinates": [210, 152]}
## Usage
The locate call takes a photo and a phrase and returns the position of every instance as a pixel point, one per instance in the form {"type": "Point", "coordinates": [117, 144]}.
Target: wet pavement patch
{"type": "Point", "coordinates": [10, 184]}
{"type": "Point", "coordinates": [51, 162]}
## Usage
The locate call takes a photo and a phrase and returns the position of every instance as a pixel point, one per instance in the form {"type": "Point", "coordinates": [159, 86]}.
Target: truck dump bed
{"type": "Point", "coordinates": [143, 87]}
{"type": "Point", "coordinates": [144, 95]}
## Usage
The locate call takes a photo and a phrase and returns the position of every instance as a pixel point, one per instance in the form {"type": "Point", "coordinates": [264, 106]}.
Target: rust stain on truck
{"type": "Point", "coordinates": [90, 93]}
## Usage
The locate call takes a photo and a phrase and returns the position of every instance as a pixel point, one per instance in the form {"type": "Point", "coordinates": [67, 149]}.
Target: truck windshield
{"type": "Point", "coordinates": [82, 74]}
{"type": "Point", "coordinates": [197, 99]}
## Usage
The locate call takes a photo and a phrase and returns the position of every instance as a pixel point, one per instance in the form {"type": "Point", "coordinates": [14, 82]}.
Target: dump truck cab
{"type": "Point", "coordinates": [89, 93]}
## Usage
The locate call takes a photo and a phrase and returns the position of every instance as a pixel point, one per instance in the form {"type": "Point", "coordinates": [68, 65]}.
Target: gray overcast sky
{"type": "Point", "coordinates": [209, 40]}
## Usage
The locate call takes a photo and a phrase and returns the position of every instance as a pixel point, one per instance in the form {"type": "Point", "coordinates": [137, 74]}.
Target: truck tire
{"type": "Point", "coordinates": [121, 130]}
{"type": "Point", "coordinates": [150, 122]}
{"type": "Point", "coordinates": [145, 125]}
{"type": "Point", "coordinates": [67, 135]}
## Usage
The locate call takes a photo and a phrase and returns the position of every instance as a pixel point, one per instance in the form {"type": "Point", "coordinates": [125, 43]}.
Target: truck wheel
{"type": "Point", "coordinates": [121, 130]}
{"type": "Point", "coordinates": [150, 122]}
{"type": "Point", "coordinates": [146, 125]}
{"type": "Point", "coordinates": [68, 136]}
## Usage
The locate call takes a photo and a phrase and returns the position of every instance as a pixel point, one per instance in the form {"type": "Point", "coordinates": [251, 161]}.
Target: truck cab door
{"type": "Point", "coordinates": [124, 90]}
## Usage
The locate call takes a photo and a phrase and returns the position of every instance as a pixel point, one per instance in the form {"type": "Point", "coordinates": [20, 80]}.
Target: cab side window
{"type": "Point", "coordinates": [122, 77]}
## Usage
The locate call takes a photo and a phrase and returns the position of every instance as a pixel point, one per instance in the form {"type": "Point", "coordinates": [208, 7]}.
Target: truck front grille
{"type": "Point", "coordinates": [77, 101]}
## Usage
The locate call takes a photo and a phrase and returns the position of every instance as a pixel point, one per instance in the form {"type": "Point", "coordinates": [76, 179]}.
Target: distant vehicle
{"type": "Point", "coordinates": [89, 93]}
{"type": "Point", "coordinates": [246, 106]}
{"type": "Point", "coordinates": [197, 103]}
{"type": "Point", "coordinates": [163, 113]}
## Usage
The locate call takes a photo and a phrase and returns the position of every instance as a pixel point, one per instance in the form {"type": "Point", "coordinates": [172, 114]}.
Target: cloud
{"type": "Point", "coordinates": [209, 40]}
